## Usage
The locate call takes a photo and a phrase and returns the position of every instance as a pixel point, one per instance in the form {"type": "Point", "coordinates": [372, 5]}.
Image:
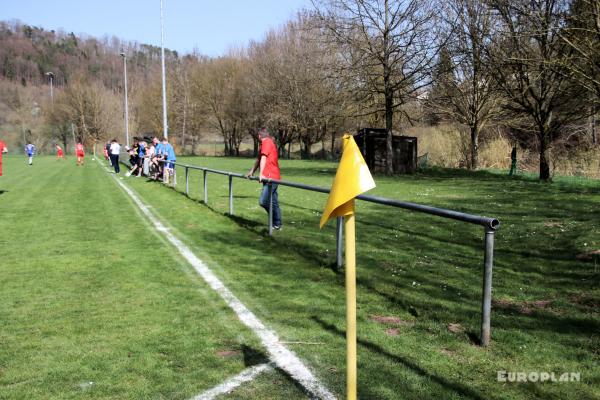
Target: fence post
{"type": "Point", "coordinates": [486, 305]}
{"type": "Point", "coordinates": [270, 209]}
{"type": "Point", "coordinates": [339, 242]}
{"type": "Point", "coordinates": [205, 188]}
{"type": "Point", "coordinates": [187, 182]}
{"type": "Point", "coordinates": [230, 195]}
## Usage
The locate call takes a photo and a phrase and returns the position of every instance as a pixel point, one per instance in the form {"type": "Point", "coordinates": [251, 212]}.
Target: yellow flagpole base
{"type": "Point", "coordinates": [351, 363]}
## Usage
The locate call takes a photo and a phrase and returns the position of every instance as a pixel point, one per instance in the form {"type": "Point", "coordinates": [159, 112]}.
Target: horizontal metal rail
{"type": "Point", "coordinates": [489, 224]}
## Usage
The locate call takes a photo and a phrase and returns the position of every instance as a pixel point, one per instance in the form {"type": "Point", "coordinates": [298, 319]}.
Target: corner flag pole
{"type": "Point", "coordinates": [351, 360]}
{"type": "Point", "coordinates": [351, 179]}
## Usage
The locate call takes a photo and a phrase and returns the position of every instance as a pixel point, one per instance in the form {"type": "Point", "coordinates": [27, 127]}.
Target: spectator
{"type": "Point", "coordinates": [268, 165]}
{"type": "Point", "coordinates": [115, 149]}
{"type": "Point", "coordinates": [141, 156]}
{"type": "Point", "coordinates": [169, 156]}
{"type": "Point", "coordinates": [133, 156]}
{"type": "Point", "coordinates": [107, 152]}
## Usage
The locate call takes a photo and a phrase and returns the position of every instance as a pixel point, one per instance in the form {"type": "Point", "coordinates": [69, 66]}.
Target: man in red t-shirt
{"type": "Point", "coordinates": [3, 150]}
{"type": "Point", "coordinates": [268, 165]}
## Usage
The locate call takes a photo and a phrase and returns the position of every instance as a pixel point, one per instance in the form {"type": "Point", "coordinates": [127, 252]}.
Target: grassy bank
{"type": "Point", "coordinates": [419, 277]}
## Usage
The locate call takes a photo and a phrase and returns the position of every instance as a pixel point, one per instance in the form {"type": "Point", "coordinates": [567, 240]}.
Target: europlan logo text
{"type": "Point", "coordinates": [538, 376]}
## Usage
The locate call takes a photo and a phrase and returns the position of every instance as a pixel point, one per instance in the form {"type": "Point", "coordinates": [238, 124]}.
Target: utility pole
{"type": "Point", "coordinates": [51, 76]}
{"type": "Point", "coordinates": [164, 79]}
{"type": "Point", "coordinates": [126, 106]}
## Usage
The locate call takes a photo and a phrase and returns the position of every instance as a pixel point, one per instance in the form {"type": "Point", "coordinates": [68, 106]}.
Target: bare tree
{"type": "Point", "coordinates": [582, 35]}
{"type": "Point", "coordinates": [386, 49]}
{"type": "Point", "coordinates": [524, 64]}
{"type": "Point", "coordinates": [468, 93]}
{"type": "Point", "coordinates": [91, 107]}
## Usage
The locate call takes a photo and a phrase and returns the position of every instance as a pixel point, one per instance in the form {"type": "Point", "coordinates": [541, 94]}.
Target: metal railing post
{"type": "Point", "coordinates": [230, 195]}
{"type": "Point", "coordinates": [486, 305]}
{"type": "Point", "coordinates": [339, 242]}
{"type": "Point", "coordinates": [270, 209]}
{"type": "Point", "coordinates": [205, 188]}
{"type": "Point", "coordinates": [187, 182]}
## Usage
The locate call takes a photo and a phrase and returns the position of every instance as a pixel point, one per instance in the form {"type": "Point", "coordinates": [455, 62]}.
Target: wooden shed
{"type": "Point", "coordinates": [372, 144]}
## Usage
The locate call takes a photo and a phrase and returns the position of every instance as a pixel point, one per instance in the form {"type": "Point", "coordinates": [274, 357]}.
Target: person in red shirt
{"type": "Point", "coordinates": [79, 153]}
{"type": "Point", "coordinates": [268, 165]}
{"type": "Point", "coordinates": [3, 150]}
{"type": "Point", "coordinates": [59, 152]}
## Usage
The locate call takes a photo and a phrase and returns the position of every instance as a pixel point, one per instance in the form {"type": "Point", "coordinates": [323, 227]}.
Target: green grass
{"type": "Point", "coordinates": [421, 269]}
{"type": "Point", "coordinates": [90, 294]}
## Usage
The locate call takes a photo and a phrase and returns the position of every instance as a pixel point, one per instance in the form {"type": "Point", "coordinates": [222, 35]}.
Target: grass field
{"type": "Point", "coordinates": [90, 294]}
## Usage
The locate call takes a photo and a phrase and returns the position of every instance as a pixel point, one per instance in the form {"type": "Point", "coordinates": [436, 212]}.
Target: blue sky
{"type": "Point", "coordinates": [210, 26]}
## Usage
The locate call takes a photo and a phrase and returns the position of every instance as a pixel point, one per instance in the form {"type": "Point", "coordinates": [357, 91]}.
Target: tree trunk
{"type": "Point", "coordinates": [389, 150]}
{"type": "Point", "coordinates": [389, 98]}
{"type": "Point", "coordinates": [593, 124]}
{"type": "Point", "coordinates": [332, 145]}
{"type": "Point", "coordinates": [255, 143]}
{"type": "Point", "coordinates": [544, 156]}
{"type": "Point", "coordinates": [306, 150]}
{"type": "Point", "coordinates": [474, 147]}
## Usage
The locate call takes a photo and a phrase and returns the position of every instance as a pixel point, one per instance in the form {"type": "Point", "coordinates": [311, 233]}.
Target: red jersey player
{"type": "Point", "coordinates": [59, 152]}
{"type": "Point", "coordinates": [79, 153]}
{"type": "Point", "coordinates": [3, 150]}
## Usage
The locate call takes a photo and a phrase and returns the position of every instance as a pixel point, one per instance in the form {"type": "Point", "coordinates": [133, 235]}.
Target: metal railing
{"type": "Point", "coordinates": [489, 226]}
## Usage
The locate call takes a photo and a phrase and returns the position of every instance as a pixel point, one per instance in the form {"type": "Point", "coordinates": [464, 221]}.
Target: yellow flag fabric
{"type": "Point", "coordinates": [351, 179]}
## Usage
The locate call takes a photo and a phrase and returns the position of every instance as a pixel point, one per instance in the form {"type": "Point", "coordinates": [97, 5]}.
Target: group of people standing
{"type": "Point", "coordinates": [150, 157]}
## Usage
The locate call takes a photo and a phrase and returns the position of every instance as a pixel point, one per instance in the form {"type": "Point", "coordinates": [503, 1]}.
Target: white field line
{"type": "Point", "coordinates": [282, 357]}
{"type": "Point", "coordinates": [245, 376]}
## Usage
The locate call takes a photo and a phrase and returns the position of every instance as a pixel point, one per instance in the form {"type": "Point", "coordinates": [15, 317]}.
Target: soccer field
{"type": "Point", "coordinates": [95, 303]}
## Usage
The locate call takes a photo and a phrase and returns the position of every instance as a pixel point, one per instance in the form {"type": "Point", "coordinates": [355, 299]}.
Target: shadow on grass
{"type": "Point", "coordinates": [456, 387]}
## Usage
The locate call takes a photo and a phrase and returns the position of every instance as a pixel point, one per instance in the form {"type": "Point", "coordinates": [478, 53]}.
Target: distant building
{"type": "Point", "coordinates": [372, 144]}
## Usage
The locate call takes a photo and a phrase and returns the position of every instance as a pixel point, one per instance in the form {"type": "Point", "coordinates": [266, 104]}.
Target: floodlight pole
{"type": "Point", "coordinates": [50, 75]}
{"type": "Point", "coordinates": [164, 79]}
{"type": "Point", "coordinates": [126, 105]}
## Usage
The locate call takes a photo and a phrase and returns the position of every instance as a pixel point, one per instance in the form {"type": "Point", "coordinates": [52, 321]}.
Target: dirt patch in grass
{"type": "Point", "coordinates": [523, 307]}
{"type": "Point", "coordinates": [589, 255]}
{"type": "Point", "coordinates": [391, 320]}
{"type": "Point", "coordinates": [553, 224]}
{"type": "Point", "coordinates": [586, 301]}
{"type": "Point", "coordinates": [447, 352]}
{"type": "Point", "coordinates": [392, 331]}
{"type": "Point", "coordinates": [228, 353]}
{"type": "Point", "coordinates": [456, 328]}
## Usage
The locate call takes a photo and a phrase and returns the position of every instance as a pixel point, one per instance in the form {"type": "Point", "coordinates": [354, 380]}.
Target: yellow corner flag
{"type": "Point", "coordinates": [351, 179]}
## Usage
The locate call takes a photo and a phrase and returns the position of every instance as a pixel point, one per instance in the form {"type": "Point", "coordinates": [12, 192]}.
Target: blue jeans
{"type": "Point", "coordinates": [264, 203]}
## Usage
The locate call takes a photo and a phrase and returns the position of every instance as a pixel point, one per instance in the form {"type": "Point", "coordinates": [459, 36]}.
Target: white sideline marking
{"type": "Point", "coordinates": [282, 357]}
{"type": "Point", "coordinates": [245, 376]}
